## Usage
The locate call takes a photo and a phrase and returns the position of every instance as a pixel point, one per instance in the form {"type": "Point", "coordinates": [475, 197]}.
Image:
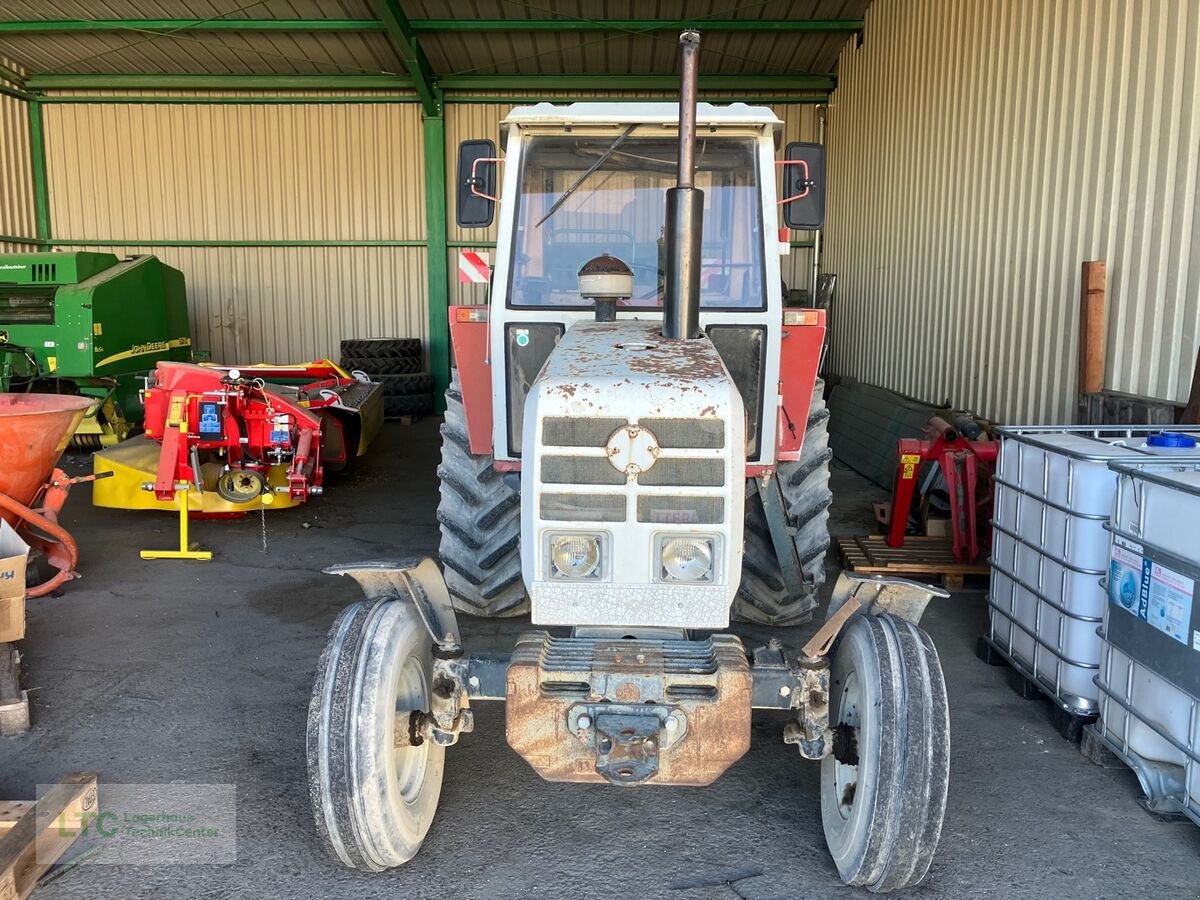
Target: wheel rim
{"type": "Point", "coordinates": [845, 758]}
{"type": "Point", "coordinates": [240, 487]}
{"type": "Point", "coordinates": [410, 761]}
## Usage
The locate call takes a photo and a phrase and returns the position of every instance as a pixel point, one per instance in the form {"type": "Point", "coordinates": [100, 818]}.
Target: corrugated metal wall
{"type": "Point", "coordinates": [195, 176]}
{"type": "Point", "coordinates": [16, 176]}
{"type": "Point", "coordinates": [465, 121]}
{"type": "Point", "coordinates": [128, 174]}
{"type": "Point", "coordinates": [981, 151]}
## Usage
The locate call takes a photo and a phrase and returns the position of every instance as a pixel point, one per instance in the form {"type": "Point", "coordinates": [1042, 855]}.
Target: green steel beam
{"type": "Point", "coordinates": [11, 75]}
{"type": "Point", "coordinates": [292, 99]}
{"type": "Point", "coordinates": [185, 242]}
{"type": "Point", "coordinates": [287, 100]}
{"type": "Point", "coordinates": [424, 25]}
{"type": "Point", "coordinates": [666, 83]}
{"type": "Point", "coordinates": [419, 26]}
{"type": "Point", "coordinates": [434, 132]}
{"type": "Point", "coordinates": [218, 82]}
{"type": "Point", "coordinates": [586, 84]}
{"type": "Point", "coordinates": [505, 99]}
{"type": "Point", "coordinates": [37, 163]}
{"type": "Point", "coordinates": [24, 241]}
{"type": "Point", "coordinates": [405, 41]}
{"type": "Point", "coordinates": [14, 93]}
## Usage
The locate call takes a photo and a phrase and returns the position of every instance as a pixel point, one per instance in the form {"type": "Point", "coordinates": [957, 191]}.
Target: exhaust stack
{"type": "Point", "coordinates": [685, 209]}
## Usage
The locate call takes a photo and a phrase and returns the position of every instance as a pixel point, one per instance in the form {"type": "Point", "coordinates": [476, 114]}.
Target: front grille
{"type": "Point", "coordinates": [686, 434]}
{"type": "Point", "coordinates": [580, 470]}
{"type": "Point", "coordinates": [681, 510]}
{"type": "Point", "coordinates": [583, 507]}
{"type": "Point", "coordinates": [684, 473]}
{"type": "Point", "coordinates": [561, 431]}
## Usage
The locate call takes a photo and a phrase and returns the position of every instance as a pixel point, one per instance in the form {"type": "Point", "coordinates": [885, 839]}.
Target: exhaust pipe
{"type": "Point", "coordinates": [685, 209]}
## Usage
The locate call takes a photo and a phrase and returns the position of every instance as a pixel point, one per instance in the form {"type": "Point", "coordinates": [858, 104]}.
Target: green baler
{"type": "Point", "coordinates": [92, 323]}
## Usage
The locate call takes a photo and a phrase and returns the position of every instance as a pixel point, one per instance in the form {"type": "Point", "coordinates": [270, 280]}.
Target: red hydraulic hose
{"type": "Point", "coordinates": [53, 529]}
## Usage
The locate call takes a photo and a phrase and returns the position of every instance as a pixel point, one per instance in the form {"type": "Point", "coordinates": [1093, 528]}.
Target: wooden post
{"type": "Point", "coordinates": [1092, 337]}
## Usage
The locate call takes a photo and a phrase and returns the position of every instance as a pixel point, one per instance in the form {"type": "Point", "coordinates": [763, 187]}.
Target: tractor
{"type": "Point", "coordinates": [634, 452]}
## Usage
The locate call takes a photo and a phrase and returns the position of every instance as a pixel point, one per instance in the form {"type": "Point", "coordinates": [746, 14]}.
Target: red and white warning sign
{"type": "Point", "coordinates": [474, 267]}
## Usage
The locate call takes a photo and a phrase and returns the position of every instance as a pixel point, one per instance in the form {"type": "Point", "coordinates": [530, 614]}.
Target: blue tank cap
{"type": "Point", "coordinates": [1171, 439]}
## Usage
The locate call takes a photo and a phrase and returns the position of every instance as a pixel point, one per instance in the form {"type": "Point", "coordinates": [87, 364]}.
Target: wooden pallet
{"type": "Point", "coordinates": [14, 702]}
{"type": "Point", "coordinates": [35, 834]}
{"type": "Point", "coordinates": [921, 557]}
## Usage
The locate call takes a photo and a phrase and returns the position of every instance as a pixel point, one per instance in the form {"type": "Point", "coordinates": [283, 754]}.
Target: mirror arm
{"type": "Point", "coordinates": [474, 181]}
{"type": "Point", "coordinates": [807, 182]}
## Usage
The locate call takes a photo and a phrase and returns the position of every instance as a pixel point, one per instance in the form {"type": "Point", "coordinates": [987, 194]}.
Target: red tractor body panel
{"type": "Point", "coordinates": [469, 338]}
{"type": "Point", "coordinates": [800, 357]}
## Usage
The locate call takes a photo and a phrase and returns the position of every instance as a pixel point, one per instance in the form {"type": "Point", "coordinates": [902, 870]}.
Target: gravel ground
{"type": "Point", "coordinates": [149, 672]}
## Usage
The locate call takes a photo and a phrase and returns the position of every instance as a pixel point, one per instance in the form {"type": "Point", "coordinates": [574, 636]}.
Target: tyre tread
{"type": "Point", "coordinates": [480, 519]}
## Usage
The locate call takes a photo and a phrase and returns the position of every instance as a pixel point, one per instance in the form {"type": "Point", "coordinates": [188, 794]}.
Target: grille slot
{"type": "Point", "coordinates": [687, 434]}
{"type": "Point", "coordinates": [562, 431]}
{"type": "Point", "coordinates": [583, 507]}
{"type": "Point", "coordinates": [684, 473]}
{"type": "Point", "coordinates": [681, 510]}
{"type": "Point", "coordinates": [580, 470]}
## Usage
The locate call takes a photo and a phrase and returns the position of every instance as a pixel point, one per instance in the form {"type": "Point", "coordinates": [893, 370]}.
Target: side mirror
{"type": "Point", "coordinates": [476, 201]}
{"type": "Point", "coordinates": [803, 186]}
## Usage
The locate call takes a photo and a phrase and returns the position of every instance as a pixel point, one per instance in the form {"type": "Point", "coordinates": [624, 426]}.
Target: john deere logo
{"type": "Point", "coordinates": [149, 348]}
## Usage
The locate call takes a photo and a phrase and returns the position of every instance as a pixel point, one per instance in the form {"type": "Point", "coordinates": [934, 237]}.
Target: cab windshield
{"type": "Point", "coordinates": [618, 206]}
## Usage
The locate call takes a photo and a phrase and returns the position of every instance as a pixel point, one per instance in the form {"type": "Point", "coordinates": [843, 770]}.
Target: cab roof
{"type": "Point", "coordinates": [648, 113]}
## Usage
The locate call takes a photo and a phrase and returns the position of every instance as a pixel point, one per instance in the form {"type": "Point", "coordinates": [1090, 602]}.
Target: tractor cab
{"type": "Point", "coordinates": [590, 180]}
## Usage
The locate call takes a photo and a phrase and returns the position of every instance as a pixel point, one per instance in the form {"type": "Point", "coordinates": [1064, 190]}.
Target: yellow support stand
{"type": "Point", "coordinates": [181, 497]}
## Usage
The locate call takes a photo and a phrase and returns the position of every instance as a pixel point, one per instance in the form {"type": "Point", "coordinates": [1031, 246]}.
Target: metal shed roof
{"type": "Point", "coordinates": [465, 41]}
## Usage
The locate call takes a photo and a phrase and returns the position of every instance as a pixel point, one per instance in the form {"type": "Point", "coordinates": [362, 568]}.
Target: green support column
{"type": "Point", "coordinates": [434, 128]}
{"type": "Point", "coordinates": [41, 183]}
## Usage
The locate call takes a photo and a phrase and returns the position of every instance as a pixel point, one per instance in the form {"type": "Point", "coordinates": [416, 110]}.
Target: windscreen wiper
{"type": "Point", "coordinates": [582, 178]}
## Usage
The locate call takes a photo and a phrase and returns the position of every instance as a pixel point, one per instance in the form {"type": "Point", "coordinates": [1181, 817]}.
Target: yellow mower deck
{"type": "Point", "coordinates": [134, 462]}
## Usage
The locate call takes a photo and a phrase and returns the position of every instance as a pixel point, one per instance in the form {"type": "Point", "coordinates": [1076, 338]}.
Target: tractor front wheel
{"type": "Point", "coordinates": [374, 782]}
{"type": "Point", "coordinates": [883, 788]}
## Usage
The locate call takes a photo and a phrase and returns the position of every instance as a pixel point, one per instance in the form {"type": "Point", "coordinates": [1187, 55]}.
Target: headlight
{"type": "Point", "coordinates": [575, 556]}
{"type": "Point", "coordinates": [687, 559]}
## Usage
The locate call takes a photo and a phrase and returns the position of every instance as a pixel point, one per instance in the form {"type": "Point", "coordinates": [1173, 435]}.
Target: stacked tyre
{"type": "Point", "coordinates": [397, 364]}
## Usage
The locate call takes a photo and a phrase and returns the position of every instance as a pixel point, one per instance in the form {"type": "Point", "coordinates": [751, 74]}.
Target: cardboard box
{"type": "Point", "coordinates": [14, 555]}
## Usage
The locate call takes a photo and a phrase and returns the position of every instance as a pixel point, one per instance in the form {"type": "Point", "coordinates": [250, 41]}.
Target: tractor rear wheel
{"type": "Point", "coordinates": [764, 598]}
{"type": "Point", "coordinates": [883, 789]}
{"type": "Point", "coordinates": [374, 782]}
{"type": "Point", "coordinates": [480, 518]}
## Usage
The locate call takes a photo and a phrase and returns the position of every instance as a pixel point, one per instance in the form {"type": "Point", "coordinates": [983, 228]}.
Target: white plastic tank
{"type": "Point", "coordinates": [1149, 679]}
{"type": "Point", "coordinates": [1054, 493]}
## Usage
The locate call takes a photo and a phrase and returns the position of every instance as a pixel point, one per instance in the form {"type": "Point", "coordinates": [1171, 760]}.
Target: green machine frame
{"type": "Point", "coordinates": [90, 323]}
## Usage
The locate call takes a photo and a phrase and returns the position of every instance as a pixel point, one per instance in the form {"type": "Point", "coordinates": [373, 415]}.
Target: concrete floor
{"type": "Point", "coordinates": [200, 673]}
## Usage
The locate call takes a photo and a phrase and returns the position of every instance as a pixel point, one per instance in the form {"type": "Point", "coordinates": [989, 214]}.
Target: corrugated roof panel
{"type": "Point", "coordinates": [695, 11]}
{"type": "Point", "coordinates": [188, 9]}
{"type": "Point", "coordinates": [521, 52]}
{"type": "Point", "coordinates": [620, 52]}
{"type": "Point", "coordinates": [245, 53]}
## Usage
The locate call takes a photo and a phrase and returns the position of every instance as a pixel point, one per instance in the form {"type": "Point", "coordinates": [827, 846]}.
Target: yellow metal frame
{"type": "Point", "coordinates": [184, 551]}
